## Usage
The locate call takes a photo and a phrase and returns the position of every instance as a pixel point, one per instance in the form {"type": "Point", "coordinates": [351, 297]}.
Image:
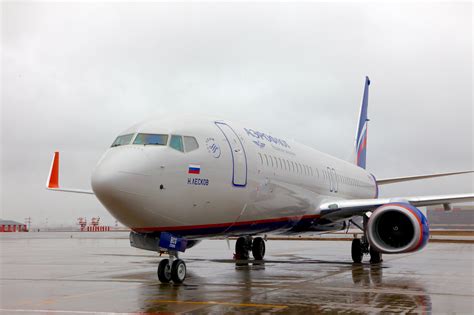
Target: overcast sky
{"type": "Point", "coordinates": [75, 75]}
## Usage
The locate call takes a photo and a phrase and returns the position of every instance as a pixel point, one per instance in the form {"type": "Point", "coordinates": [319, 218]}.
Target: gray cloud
{"type": "Point", "coordinates": [75, 75]}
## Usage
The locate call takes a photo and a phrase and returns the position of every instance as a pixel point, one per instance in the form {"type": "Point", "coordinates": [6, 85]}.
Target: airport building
{"type": "Point", "coordinates": [460, 218]}
{"type": "Point", "coordinates": [12, 226]}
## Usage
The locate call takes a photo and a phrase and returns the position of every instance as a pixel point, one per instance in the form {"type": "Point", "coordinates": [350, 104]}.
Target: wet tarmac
{"type": "Point", "coordinates": [89, 273]}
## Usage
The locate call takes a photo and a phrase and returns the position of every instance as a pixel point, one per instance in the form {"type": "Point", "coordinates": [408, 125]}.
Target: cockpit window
{"type": "Point", "coordinates": [176, 143]}
{"type": "Point", "coordinates": [151, 139]}
{"type": "Point", "coordinates": [122, 140]}
{"type": "Point", "coordinates": [190, 143]}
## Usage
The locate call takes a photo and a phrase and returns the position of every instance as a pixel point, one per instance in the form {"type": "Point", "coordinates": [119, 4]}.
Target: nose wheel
{"type": "Point", "coordinates": [164, 271]}
{"type": "Point", "coordinates": [172, 269]}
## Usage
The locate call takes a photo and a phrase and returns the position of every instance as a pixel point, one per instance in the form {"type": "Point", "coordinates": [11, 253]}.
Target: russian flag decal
{"type": "Point", "coordinates": [194, 169]}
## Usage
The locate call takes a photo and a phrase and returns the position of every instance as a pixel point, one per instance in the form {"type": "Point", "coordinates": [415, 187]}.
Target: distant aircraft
{"type": "Point", "coordinates": [177, 180]}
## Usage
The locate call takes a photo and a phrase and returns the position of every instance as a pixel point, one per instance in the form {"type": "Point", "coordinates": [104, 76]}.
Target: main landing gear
{"type": "Point", "coordinates": [361, 246]}
{"type": "Point", "coordinates": [246, 244]}
{"type": "Point", "coordinates": [172, 269]}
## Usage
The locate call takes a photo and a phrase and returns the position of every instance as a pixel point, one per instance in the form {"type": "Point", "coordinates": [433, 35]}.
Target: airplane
{"type": "Point", "coordinates": [177, 180]}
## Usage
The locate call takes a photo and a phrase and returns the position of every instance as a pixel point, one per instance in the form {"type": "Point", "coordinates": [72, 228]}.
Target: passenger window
{"type": "Point", "coordinates": [261, 159]}
{"type": "Point", "coordinates": [151, 139]}
{"type": "Point", "coordinates": [190, 144]}
{"type": "Point", "coordinates": [122, 140]}
{"type": "Point", "coordinates": [266, 158]}
{"type": "Point", "coordinates": [176, 143]}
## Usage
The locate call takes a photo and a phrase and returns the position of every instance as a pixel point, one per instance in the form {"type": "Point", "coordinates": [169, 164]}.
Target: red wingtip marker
{"type": "Point", "coordinates": [54, 173]}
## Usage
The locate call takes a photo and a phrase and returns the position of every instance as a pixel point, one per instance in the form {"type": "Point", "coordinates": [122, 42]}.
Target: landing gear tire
{"type": "Point", "coordinates": [178, 271]}
{"type": "Point", "coordinates": [356, 251]}
{"type": "Point", "coordinates": [258, 248]}
{"type": "Point", "coordinates": [164, 271]}
{"type": "Point", "coordinates": [241, 249]}
{"type": "Point", "coordinates": [375, 256]}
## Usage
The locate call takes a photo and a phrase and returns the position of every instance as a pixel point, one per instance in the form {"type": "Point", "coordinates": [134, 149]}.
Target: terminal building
{"type": "Point", "coordinates": [12, 226]}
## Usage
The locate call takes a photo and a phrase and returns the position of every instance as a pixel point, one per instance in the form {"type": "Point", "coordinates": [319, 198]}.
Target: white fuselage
{"type": "Point", "coordinates": [249, 182]}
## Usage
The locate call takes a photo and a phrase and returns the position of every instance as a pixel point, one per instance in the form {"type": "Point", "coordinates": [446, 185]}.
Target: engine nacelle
{"type": "Point", "coordinates": [396, 228]}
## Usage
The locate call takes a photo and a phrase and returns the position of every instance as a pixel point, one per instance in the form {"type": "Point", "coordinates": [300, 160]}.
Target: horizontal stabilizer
{"type": "Point", "coordinates": [417, 177]}
{"type": "Point", "coordinates": [53, 179]}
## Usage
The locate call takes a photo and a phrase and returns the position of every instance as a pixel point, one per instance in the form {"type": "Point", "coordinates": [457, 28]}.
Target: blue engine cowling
{"type": "Point", "coordinates": [397, 228]}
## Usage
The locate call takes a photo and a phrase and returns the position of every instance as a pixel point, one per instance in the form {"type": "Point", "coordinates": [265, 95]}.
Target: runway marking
{"type": "Point", "coordinates": [221, 303]}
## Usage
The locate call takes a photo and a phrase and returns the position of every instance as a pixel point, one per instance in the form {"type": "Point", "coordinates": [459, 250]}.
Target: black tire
{"type": "Point", "coordinates": [164, 271]}
{"type": "Point", "coordinates": [356, 251]}
{"type": "Point", "coordinates": [178, 271]}
{"type": "Point", "coordinates": [375, 256]}
{"type": "Point", "coordinates": [241, 249]}
{"type": "Point", "coordinates": [258, 248]}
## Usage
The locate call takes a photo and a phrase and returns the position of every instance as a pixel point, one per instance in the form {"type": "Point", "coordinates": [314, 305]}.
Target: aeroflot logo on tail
{"type": "Point", "coordinates": [263, 136]}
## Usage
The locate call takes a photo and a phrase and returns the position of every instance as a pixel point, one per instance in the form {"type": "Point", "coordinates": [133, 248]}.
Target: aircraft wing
{"type": "Point", "coordinates": [344, 209]}
{"type": "Point", "coordinates": [53, 179]}
{"type": "Point", "coordinates": [393, 180]}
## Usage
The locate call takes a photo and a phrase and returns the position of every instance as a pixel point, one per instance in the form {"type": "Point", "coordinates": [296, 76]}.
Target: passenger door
{"type": "Point", "coordinates": [239, 158]}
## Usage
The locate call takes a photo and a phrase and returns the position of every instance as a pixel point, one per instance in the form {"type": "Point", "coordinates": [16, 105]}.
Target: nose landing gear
{"type": "Point", "coordinates": [172, 269]}
{"type": "Point", "coordinates": [246, 244]}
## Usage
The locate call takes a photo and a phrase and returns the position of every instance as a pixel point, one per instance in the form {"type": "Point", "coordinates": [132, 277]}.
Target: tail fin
{"type": "Point", "coordinates": [360, 147]}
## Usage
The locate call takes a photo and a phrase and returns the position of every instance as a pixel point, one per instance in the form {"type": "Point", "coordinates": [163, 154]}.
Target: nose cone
{"type": "Point", "coordinates": [122, 182]}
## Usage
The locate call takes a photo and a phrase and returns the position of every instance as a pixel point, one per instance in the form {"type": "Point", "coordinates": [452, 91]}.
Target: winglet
{"type": "Point", "coordinates": [53, 179]}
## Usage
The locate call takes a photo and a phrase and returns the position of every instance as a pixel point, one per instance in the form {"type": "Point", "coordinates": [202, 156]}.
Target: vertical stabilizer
{"type": "Point", "coordinates": [361, 135]}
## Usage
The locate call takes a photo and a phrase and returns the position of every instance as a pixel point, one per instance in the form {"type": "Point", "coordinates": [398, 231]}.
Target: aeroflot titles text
{"type": "Point", "coordinates": [261, 135]}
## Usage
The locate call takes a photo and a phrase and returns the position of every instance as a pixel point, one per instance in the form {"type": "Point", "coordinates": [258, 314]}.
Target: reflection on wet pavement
{"type": "Point", "coordinates": [106, 275]}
